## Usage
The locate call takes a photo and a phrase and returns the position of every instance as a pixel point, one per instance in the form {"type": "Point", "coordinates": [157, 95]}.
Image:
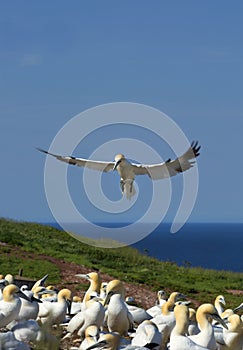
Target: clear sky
{"type": "Point", "coordinates": [58, 58]}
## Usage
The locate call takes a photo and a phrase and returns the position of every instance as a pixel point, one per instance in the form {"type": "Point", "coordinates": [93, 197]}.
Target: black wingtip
{"type": "Point", "coordinates": [195, 148]}
{"type": "Point", "coordinates": [41, 150]}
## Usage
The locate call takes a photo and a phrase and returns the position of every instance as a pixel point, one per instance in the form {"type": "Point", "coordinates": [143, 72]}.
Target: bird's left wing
{"type": "Point", "coordinates": [170, 167]}
{"type": "Point", "coordinates": [91, 164]}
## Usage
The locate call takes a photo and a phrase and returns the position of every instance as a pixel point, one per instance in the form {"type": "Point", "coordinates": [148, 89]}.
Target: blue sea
{"type": "Point", "coordinates": [208, 245]}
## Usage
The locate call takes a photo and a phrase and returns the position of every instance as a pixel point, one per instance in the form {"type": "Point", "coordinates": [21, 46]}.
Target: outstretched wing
{"type": "Point", "coordinates": [91, 164]}
{"type": "Point", "coordinates": [170, 167]}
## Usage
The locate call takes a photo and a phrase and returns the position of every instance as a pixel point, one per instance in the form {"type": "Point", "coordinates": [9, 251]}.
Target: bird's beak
{"type": "Point", "coordinates": [116, 164]}
{"type": "Point", "coordinates": [69, 305]}
{"type": "Point", "coordinates": [80, 275]}
{"type": "Point", "coordinates": [219, 319]}
{"type": "Point", "coordinates": [108, 297]}
{"type": "Point", "coordinates": [100, 345]}
{"type": "Point", "coordinates": [23, 296]}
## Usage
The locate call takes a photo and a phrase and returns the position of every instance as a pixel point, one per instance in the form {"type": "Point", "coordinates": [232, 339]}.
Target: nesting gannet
{"type": "Point", "coordinates": [178, 338]}
{"type": "Point", "coordinates": [103, 288]}
{"type": "Point", "coordinates": [138, 314]}
{"type": "Point", "coordinates": [91, 337]}
{"type": "Point", "coordinates": [192, 326]}
{"type": "Point", "coordinates": [10, 304]}
{"type": "Point", "coordinates": [147, 335]}
{"type": "Point", "coordinates": [94, 287]}
{"type": "Point", "coordinates": [128, 170]}
{"type": "Point", "coordinates": [29, 308]}
{"type": "Point", "coordinates": [218, 303]}
{"type": "Point", "coordinates": [156, 309]}
{"type": "Point", "coordinates": [206, 337]}
{"type": "Point", "coordinates": [166, 320]}
{"type": "Point", "coordinates": [26, 331]}
{"type": "Point", "coordinates": [54, 312]}
{"type": "Point", "coordinates": [9, 342]}
{"type": "Point", "coordinates": [118, 318]}
{"type": "Point", "coordinates": [93, 314]}
{"type": "Point", "coordinates": [232, 338]}
{"type": "Point", "coordinates": [109, 341]}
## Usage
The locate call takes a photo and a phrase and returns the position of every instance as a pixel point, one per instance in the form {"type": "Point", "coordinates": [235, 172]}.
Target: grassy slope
{"type": "Point", "coordinates": [124, 263]}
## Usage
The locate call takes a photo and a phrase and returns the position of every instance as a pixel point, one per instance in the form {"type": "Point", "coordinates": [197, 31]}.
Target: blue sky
{"type": "Point", "coordinates": [59, 58]}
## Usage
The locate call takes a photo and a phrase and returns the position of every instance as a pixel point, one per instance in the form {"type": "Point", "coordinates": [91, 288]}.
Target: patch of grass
{"type": "Point", "coordinates": [125, 263]}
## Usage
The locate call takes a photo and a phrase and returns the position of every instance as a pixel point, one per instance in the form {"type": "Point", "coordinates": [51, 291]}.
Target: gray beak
{"type": "Point", "coordinates": [69, 305]}
{"type": "Point", "coordinates": [219, 319]}
{"type": "Point", "coordinates": [116, 164]}
{"type": "Point", "coordinates": [108, 297]}
{"type": "Point", "coordinates": [23, 296]}
{"type": "Point", "coordinates": [101, 344]}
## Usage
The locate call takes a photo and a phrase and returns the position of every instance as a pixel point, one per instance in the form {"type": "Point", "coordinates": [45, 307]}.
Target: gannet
{"type": "Point", "coordinates": [156, 309]}
{"type": "Point", "coordinates": [166, 320]}
{"type": "Point", "coordinates": [206, 337]}
{"type": "Point", "coordinates": [103, 288]}
{"type": "Point", "coordinates": [138, 314]}
{"type": "Point", "coordinates": [26, 331]}
{"type": "Point", "coordinates": [94, 287]}
{"type": "Point", "coordinates": [10, 304]}
{"type": "Point", "coordinates": [119, 319]}
{"type": "Point", "coordinates": [91, 337]}
{"type": "Point", "coordinates": [218, 303]}
{"type": "Point", "coordinates": [93, 314]}
{"type": "Point", "coordinates": [40, 282]}
{"type": "Point", "coordinates": [108, 341]}
{"type": "Point", "coordinates": [29, 308]}
{"type": "Point", "coordinates": [147, 335]}
{"type": "Point", "coordinates": [9, 342]}
{"type": "Point", "coordinates": [178, 338]}
{"type": "Point", "coordinates": [54, 313]}
{"type": "Point", "coordinates": [232, 338]}
{"type": "Point", "coordinates": [192, 326]}
{"type": "Point", "coordinates": [128, 170]}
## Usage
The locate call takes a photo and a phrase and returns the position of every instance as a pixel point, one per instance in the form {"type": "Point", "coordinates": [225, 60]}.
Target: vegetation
{"type": "Point", "coordinates": [123, 263]}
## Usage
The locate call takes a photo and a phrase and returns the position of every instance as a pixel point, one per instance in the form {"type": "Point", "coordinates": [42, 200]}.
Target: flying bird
{"type": "Point", "coordinates": [128, 171]}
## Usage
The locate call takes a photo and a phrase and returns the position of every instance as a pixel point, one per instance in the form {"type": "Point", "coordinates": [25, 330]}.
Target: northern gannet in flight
{"type": "Point", "coordinates": [128, 170]}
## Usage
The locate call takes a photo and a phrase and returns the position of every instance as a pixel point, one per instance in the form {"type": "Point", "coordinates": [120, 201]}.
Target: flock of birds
{"type": "Point", "coordinates": [106, 319]}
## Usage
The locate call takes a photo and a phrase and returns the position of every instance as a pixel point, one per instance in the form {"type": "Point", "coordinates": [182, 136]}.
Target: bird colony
{"type": "Point", "coordinates": [105, 317]}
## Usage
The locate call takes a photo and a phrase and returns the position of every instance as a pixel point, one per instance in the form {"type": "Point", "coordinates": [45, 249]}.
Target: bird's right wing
{"type": "Point", "coordinates": [91, 164]}
{"type": "Point", "coordinates": [170, 167]}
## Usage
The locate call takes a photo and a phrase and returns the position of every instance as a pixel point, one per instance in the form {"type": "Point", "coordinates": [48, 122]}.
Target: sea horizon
{"type": "Point", "coordinates": [212, 245]}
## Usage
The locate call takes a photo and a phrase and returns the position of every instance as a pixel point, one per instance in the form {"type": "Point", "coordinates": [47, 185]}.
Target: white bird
{"type": "Point", "coordinates": [218, 303]}
{"type": "Point", "coordinates": [29, 308]}
{"type": "Point", "coordinates": [93, 314]}
{"type": "Point", "coordinates": [178, 338]}
{"type": "Point", "coordinates": [156, 309]}
{"type": "Point", "coordinates": [128, 170]}
{"type": "Point", "coordinates": [147, 335]}
{"type": "Point", "coordinates": [91, 337]}
{"type": "Point", "coordinates": [139, 314]}
{"type": "Point", "coordinates": [94, 287]}
{"type": "Point", "coordinates": [54, 313]}
{"type": "Point", "coordinates": [10, 304]}
{"type": "Point", "coordinates": [206, 337]}
{"type": "Point", "coordinates": [166, 320]}
{"type": "Point", "coordinates": [26, 331]}
{"type": "Point", "coordinates": [9, 342]}
{"type": "Point", "coordinates": [119, 319]}
{"type": "Point", "coordinates": [232, 338]}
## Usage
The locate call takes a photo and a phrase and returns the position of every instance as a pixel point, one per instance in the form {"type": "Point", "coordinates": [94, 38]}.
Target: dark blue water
{"type": "Point", "coordinates": [209, 245]}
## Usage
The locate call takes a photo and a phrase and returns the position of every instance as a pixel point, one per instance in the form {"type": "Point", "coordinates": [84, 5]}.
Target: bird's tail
{"type": "Point", "coordinates": [129, 189]}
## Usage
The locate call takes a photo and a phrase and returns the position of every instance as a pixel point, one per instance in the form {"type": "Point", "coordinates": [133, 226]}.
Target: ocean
{"type": "Point", "coordinates": [208, 245]}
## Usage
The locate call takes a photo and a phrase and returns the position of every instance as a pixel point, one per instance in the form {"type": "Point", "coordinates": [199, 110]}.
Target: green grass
{"type": "Point", "coordinates": [125, 263]}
